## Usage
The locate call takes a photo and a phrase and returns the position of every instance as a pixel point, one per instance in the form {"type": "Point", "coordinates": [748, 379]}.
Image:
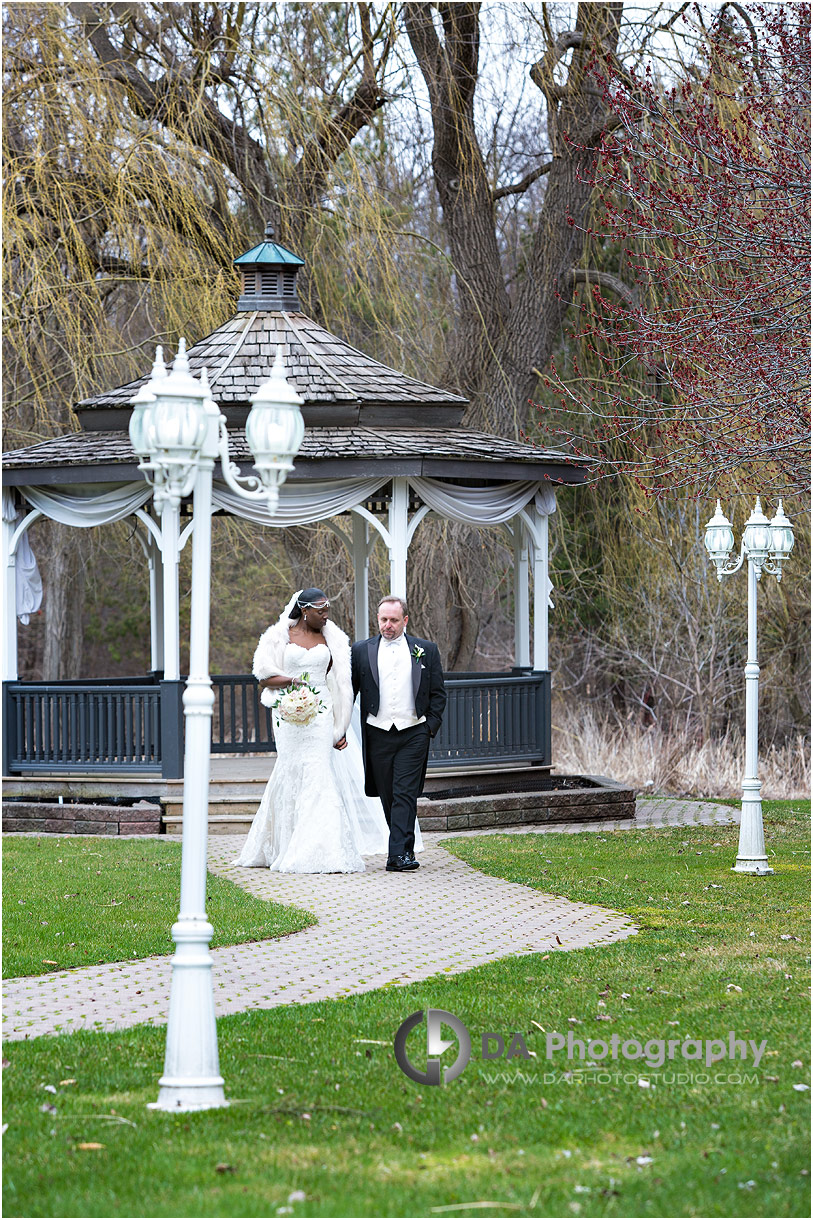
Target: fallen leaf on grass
{"type": "Point", "coordinates": [69, 1081]}
{"type": "Point", "coordinates": [223, 1167]}
{"type": "Point", "coordinates": [90, 1147]}
{"type": "Point", "coordinates": [461, 1207]}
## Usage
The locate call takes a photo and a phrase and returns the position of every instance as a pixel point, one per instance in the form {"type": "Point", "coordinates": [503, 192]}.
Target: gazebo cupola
{"type": "Point", "coordinates": [269, 277]}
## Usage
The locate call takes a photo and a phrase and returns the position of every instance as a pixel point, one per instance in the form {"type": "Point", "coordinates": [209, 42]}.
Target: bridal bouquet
{"type": "Point", "coordinates": [300, 705]}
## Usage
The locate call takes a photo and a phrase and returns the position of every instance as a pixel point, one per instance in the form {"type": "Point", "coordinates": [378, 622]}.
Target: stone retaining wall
{"type": "Point", "coordinates": [46, 817]}
{"type": "Point", "coordinates": [605, 799]}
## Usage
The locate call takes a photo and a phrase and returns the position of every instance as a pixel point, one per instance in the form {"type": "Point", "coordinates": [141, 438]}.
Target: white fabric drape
{"type": "Point", "coordinates": [483, 505]}
{"type": "Point", "coordinates": [300, 503]}
{"type": "Point", "coordinates": [545, 500]}
{"type": "Point", "coordinates": [70, 507]}
{"type": "Point", "coordinates": [28, 582]}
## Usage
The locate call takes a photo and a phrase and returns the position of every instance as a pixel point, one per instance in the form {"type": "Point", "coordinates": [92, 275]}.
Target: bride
{"type": "Point", "coordinates": [314, 816]}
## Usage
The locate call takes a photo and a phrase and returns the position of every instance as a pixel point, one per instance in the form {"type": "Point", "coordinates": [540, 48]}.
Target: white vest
{"type": "Point", "coordinates": [397, 702]}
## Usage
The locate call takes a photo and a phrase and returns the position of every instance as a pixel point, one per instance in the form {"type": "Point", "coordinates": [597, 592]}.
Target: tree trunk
{"type": "Point", "coordinates": [63, 564]}
{"type": "Point", "coordinates": [501, 337]}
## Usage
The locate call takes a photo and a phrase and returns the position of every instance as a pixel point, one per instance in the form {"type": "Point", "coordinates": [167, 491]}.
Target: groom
{"type": "Point", "coordinates": [402, 700]}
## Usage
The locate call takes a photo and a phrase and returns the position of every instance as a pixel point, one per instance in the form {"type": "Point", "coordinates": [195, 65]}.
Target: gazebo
{"type": "Point", "coordinates": [381, 452]}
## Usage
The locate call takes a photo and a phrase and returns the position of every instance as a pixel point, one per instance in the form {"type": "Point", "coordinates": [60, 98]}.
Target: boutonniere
{"type": "Point", "coordinates": [417, 653]}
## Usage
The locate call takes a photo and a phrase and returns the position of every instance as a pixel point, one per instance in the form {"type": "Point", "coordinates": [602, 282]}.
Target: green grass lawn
{"type": "Point", "coordinates": [79, 901]}
{"type": "Point", "coordinates": [320, 1107]}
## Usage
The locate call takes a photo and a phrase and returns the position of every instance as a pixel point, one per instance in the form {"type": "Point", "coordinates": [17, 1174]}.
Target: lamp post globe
{"type": "Point", "coordinates": [140, 403]}
{"type": "Point", "coordinates": [719, 539]}
{"type": "Point", "coordinates": [274, 430]}
{"type": "Point", "coordinates": [757, 537]}
{"type": "Point", "coordinates": [168, 431]}
{"type": "Point", "coordinates": [782, 539]}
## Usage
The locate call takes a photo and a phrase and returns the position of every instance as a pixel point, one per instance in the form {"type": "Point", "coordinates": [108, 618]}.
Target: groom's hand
{"type": "Point", "coordinates": [341, 744]}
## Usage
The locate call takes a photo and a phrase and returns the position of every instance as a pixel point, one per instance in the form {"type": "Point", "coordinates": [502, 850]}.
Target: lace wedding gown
{"type": "Point", "coordinates": [314, 816]}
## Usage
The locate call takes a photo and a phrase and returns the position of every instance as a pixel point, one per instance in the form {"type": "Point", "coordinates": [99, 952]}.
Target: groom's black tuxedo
{"type": "Point", "coordinates": [410, 747]}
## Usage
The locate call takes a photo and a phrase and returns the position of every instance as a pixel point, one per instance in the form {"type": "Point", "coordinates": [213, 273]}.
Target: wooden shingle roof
{"type": "Point", "coordinates": [326, 453]}
{"type": "Point", "coordinates": [340, 385]}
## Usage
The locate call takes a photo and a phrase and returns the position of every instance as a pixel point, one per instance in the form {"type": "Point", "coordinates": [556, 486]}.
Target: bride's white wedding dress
{"type": "Point", "coordinates": [314, 816]}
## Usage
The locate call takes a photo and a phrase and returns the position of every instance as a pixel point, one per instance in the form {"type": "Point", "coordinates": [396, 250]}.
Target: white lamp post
{"type": "Point", "coordinates": [766, 545]}
{"type": "Point", "coordinates": [178, 432]}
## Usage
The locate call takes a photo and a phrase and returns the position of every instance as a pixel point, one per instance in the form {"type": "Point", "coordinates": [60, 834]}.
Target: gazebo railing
{"type": "Point", "coordinates": [82, 726]}
{"type": "Point", "coordinates": [240, 724]}
{"type": "Point", "coordinates": [493, 718]}
{"type": "Point", "coordinates": [137, 724]}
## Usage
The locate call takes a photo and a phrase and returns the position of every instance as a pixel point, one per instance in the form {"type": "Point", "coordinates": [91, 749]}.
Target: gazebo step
{"type": "Point", "coordinates": [246, 805]}
{"type": "Point", "coordinates": [219, 823]}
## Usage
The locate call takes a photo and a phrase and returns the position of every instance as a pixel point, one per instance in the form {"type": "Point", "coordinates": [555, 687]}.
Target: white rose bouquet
{"type": "Point", "coordinates": [300, 704]}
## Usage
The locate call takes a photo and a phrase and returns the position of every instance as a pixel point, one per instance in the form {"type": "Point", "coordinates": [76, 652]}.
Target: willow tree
{"type": "Point", "coordinates": [143, 147]}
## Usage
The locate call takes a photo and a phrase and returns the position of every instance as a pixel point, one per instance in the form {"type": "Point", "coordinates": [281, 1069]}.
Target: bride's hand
{"type": "Point", "coordinates": [341, 744]}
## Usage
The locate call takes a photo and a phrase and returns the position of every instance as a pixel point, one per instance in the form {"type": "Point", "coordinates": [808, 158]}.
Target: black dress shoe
{"type": "Point", "coordinates": [402, 864]}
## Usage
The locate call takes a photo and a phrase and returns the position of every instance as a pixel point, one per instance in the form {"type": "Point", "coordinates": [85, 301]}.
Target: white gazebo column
{"type": "Point", "coordinates": [150, 539]}
{"type": "Point", "coordinates": [398, 532]}
{"type": "Point", "coordinates": [541, 591]}
{"type": "Point", "coordinates": [9, 593]}
{"type": "Point", "coordinates": [170, 533]}
{"type": "Point", "coordinates": [361, 572]}
{"type": "Point", "coordinates": [14, 529]}
{"type": "Point", "coordinates": [522, 608]}
{"type": "Point", "coordinates": [155, 563]}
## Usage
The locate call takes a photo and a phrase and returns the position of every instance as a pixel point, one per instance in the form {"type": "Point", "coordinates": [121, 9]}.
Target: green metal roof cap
{"type": "Point", "coordinates": [270, 252]}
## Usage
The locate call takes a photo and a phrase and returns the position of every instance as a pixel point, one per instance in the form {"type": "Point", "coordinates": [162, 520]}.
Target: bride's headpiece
{"type": "Point", "coordinates": [302, 597]}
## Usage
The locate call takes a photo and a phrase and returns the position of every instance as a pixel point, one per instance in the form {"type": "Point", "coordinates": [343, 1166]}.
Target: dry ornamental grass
{"type": "Point", "coordinates": [678, 762]}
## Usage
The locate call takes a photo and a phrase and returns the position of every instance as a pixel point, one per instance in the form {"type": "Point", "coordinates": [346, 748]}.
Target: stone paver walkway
{"type": "Point", "coordinates": [375, 929]}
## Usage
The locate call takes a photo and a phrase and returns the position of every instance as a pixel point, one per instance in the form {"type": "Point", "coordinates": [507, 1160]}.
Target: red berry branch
{"type": "Point", "coordinates": [697, 374]}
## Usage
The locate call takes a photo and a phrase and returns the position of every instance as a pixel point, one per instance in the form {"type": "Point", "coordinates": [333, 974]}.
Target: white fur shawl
{"type": "Point", "coordinates": [268, 663]}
